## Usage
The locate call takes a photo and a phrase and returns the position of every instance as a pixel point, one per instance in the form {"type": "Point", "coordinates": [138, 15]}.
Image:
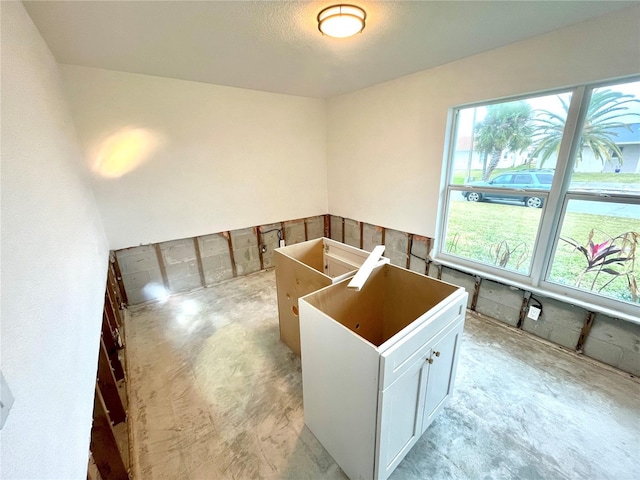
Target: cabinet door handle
{"type": "Point", "coordinates": [437, 354]}
{"type": "Point", "coordinates": [429, 360]}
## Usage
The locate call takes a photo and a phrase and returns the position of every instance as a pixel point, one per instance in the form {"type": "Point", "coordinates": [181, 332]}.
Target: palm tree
{"type": "Point", "coordinates": [600, 125]}
{"type": "Point", "coordinates": [507, 126]}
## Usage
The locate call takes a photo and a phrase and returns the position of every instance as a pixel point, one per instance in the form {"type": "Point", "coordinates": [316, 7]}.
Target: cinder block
{"type": "Point", "coordinates": [615, 342]}
{"type": "Point", "coordinates": [396, 245]}
{"type": "Point", "coordinates": [461, 279]}
{"type": "Point", "coordinates": [371, 236]}
{"type": "Point", "coordinates": [183, 276]}
{"type": "Point", "coordinates": [214, 245]}
{"type": "Point", "coordinates": [500, 302]}
{"type": "Point", "coordinates": [137, 259]}
{"type": "Point", "coordinates": [271, 241]}
{"type": "Point", "coordinates": [419, 253]}
{"type": "Point", "coordinates": [247, 260]}
{"type": "Point", "coordinates": [179, 257]}
{"type": "Point", "coordinates": [137, 285]}
{"type": "Point", "coordinates": [352, 232]}
{"type": "Point", "coordinates": [433, 270]}
{"type": "Point", "coordinates": [294, 231]}
{"type": "Point", "coordinates": [336, 228]}
{"type": "Point", "coordinates": [178, 251]}
{"type": "Point", "coordinates": [245, 250]}
{"type": "Point", "coordinates": [216, 261]}
{"type": "Point", "coordinates": [315, 227]}
{"type": "Point", "coordinates": [185, 284]}
{"type": "Point", "coordinates": [140, 268]}
{"type": "Point", "coordinates": [217, 268]}
{"type": "Point", "coordinates": [559, 322]}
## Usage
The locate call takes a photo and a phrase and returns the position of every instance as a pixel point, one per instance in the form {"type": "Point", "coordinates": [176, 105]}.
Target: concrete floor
{"type": "Point", "coordinates": [214, 394]}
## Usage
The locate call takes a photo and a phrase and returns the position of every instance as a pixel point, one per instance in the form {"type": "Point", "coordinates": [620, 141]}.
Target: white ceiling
{"type": "Point", "coordinates": [275, 46]}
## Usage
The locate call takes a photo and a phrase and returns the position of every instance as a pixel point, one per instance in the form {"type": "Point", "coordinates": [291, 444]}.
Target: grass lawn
{"type": "Point", "coordinates": [504, 235]}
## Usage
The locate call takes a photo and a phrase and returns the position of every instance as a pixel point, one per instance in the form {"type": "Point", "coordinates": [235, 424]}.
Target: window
{"type": "Point", "coordinates": [544, 192]}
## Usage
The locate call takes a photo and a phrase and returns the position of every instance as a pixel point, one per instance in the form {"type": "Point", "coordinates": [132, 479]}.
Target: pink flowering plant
{"type": "Point", "coordinates": [614, 257]}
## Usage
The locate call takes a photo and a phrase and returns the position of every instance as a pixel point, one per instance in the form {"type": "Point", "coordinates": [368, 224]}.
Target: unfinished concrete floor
{"type": "Point", "coordinates": [214, 394]}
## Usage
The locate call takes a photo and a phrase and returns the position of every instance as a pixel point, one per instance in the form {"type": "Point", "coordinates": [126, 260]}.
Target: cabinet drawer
{"type": "Point", "coordinates": [398, 358]}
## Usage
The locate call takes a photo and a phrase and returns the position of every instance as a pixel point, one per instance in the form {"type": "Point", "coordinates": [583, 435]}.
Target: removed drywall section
{"type": "Point", "coordinates": [336, 228]}
{"type": "Point", "coordinates": [315, 227]}
{"type": "Point", "coordinates": [181, 265]}
{"type": "Point", "coordinates": [151, 272]}
{"type": "Point", "coordinates": [615, 342]}
{"type": "Point", "coordinates": [372, 236]}
{"type": "Point", "coordinates": [141, 273]}
{"type": "Point", "coordinates": [245, 250]}
{"type": "Point", "coordinates": [559, 322]}
{"type": "Point", "coordinates": [419, 255]}
{"type": "Point", "coordinates": [500, 302]}
{"type": "Point", "coordinates": [269, 240]}
{"type": "Point", "coordinates": [460, 279]}
{"type": "Point", "coordinates": [216, 261]}
{"type": "Point", "coordinates": [352, 232]}
{"type": "Point", "coordinates": [396, 247]}
{"type": "Point", "coordinates": [294, 231]}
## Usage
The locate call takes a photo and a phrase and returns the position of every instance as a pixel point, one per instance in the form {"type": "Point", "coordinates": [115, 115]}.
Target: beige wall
{"type": "Point", "coordinates": [386, 143]}
{"type": "Point", "coordinates": [54, 265]}
{"type": "Point", "coordinates": [221, 158]}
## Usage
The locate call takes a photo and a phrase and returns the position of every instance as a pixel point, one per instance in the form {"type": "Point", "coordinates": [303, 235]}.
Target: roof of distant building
{"type": "Point", "coordinates": [626, 136]}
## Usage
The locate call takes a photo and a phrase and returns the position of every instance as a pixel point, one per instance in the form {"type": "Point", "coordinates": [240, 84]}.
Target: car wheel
{"type": "Point", "coordinates": [533, 202]}
{"type": "Point", "coordinates": [474, 197]}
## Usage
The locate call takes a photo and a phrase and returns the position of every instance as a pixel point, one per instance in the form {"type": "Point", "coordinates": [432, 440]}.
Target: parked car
{"type": "Point", "coordinates": [517, 179]}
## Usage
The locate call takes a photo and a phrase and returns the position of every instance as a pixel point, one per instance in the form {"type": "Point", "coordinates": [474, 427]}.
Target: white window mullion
{"type": "Point", "coordinates": [550, 222]}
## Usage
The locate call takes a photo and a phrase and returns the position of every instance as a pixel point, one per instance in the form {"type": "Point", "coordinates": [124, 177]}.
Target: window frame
{"type": "Point", "coordinates": [552, 213]}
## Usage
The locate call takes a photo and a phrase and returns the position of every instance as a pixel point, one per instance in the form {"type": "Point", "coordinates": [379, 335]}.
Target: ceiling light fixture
{"type": "Point", "coordinates": [341, 21]}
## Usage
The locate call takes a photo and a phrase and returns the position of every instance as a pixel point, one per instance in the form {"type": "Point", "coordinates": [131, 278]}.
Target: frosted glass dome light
{"type": "Point", "coordinates": [341, 21]}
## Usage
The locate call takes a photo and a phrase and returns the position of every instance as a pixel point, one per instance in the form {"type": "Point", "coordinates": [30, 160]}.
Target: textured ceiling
{"type": "Point", "coordinates": [275, 46]}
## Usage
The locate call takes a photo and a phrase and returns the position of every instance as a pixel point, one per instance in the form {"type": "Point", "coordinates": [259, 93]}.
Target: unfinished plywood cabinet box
{"type": "Point", "coordinates": [378, 365]}
{"type": "Point", "coordinates": [306, 267]}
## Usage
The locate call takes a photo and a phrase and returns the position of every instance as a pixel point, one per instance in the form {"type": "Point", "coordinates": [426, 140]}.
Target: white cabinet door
{"type": "Point", "coordinates": [400, 418]}
{"type": "Point", "coordinates": [441, 373]}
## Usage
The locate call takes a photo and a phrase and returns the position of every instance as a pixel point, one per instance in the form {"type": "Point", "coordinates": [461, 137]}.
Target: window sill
{"type": "Point", "coordinates": [592, 307]}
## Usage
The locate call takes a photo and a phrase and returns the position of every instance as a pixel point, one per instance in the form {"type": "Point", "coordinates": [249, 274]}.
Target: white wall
{"type": "Point", "coordinates": [53, 261]}
{"type": "Point", "coordinates": [386, 143]}
{"type": "Point", "coordinates": [226, 158]}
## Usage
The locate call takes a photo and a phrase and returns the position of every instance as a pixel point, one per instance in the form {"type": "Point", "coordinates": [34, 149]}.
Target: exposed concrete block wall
{"type": "Point", "coordinates": [270, 240]}
{"type": "Point", "coordinates": [245, 250]}
{"type": "Point", "coordinates": [615, 342]}
{"type": "Point", "coordinates": [216, 261]}
{"type": "Point", "coordinates": [181, 265]}
{"type": "Point", "coordinates": [500, 302]}
{"type": "Point", "coordinates": [559, 322]}
{"type": "Point", "coordinates": [208, 259]}
{"type": "Point", "coordinates": [140, 271]}
{"type": "Point", "coordinates": [611, 341]}
{"type": "Point", "coordinates": [336, 228]}
{"type": "Point", "coordinates": [419, 255]}
{"type": "Point", "coordinates": [352, 232]}
{"type": "Point", "coordinates": [294, 231]}
{"type": "Point", "coordinates": [371, 236]}
{"type": "Point", "coordinates": [396, 247]}
{"type": "Point", "coordinates": [315, 227]}
{"type": "Point", "coordinates": [462, 280]}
